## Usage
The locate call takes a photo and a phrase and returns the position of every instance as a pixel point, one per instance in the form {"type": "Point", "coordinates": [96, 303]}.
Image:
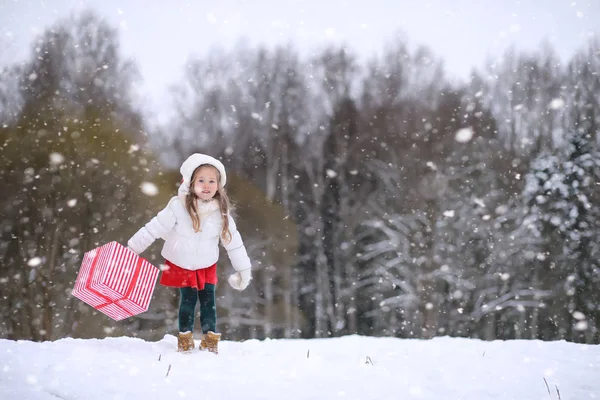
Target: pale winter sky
{"type": "Point", "coordinates": [161, 35]}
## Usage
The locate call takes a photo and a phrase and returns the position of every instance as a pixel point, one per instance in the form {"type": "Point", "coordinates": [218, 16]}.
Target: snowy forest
{"type": "Point", "coordinates": [375, 197]}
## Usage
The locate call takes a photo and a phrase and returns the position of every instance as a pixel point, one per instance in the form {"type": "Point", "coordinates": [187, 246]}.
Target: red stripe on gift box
{"type": "Point", "coordinates": [140, 294]}
{"type": "Point", "coordinates": [80, 290]}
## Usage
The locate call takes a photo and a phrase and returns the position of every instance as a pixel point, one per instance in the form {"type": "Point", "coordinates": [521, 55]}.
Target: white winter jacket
{"type": "Point", "coordinates": [186, 248]}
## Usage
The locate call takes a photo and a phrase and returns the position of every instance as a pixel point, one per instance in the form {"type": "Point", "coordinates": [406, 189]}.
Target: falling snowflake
{"type": "Point", "coordinates": [479, 202]}
{"type": "Point", "coordinates": [331, 173]}
{"type": "Point", "coordinates": [34, 262]}
{"type": "Point", "coordinates": [581, 326]}
{"type": "Point", "coordinates": [72, 202]}
{"type": "Point", "coordinates": [149, 188]}
{"type": "Point", "coordinates": [556, 104]}
{"type": "Point", "coordinates": [464, 135]}
{"type": "Point", "coordinates": [449, 213]}
{"type": "Point", "coordinates": [578, 315]}
{"type": "Point", "coordinates": [56, 159]}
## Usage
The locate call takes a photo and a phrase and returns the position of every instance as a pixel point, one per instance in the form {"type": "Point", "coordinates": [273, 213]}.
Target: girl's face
{"type": "Point", "coordinates": [206, 182]}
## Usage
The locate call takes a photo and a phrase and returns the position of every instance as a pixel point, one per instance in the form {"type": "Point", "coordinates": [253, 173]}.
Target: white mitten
{"type": "Point", "coordinates": [240, 279]}
{"type": "Point", "coordinates": [183, 190]}
{"type": "Point", "coordinates": [131, 246]}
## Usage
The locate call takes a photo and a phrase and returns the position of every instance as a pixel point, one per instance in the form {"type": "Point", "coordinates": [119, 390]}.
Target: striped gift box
{"type": "Point", "coordinates": [115, 281]}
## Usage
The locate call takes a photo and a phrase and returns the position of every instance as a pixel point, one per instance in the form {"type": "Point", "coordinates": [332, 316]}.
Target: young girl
{"type": "Point", "coordinates": [192, 225]}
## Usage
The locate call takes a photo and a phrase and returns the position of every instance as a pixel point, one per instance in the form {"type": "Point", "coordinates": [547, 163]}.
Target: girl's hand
{"type": "Point", "coordinates": [240, 279]}
{"type": "Point", "coordinates": [133, 250]}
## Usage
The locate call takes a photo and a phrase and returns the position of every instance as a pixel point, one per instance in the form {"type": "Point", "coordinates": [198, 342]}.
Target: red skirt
{"type": "Point", "coordinates": [175, 276]}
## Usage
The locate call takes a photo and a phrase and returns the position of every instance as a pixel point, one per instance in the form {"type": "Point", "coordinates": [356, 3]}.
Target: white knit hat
{"type": "Point", "coordinates": [189, 166]}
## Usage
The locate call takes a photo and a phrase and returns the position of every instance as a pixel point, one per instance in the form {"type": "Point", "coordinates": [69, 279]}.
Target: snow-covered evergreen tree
{"type": "Point", "coordinates": [561, 194]}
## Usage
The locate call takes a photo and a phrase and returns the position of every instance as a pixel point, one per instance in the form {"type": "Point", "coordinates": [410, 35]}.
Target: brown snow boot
{"type": "Point", "coordinates": [185, 342]}
{"type": "Point", "coordinates": [210, 342]}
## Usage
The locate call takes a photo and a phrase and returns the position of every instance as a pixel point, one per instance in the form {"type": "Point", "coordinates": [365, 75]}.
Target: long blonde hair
{"type": "Point", "coordinates": [191, 204]}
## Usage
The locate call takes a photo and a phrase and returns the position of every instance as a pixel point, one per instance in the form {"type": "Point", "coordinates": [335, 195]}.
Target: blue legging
{"type": "Point", "coordinates": [187, 307]}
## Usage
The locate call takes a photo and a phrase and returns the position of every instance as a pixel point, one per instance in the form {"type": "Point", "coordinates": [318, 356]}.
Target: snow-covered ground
{"type": "Point", "coordinates": [350, 367]}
